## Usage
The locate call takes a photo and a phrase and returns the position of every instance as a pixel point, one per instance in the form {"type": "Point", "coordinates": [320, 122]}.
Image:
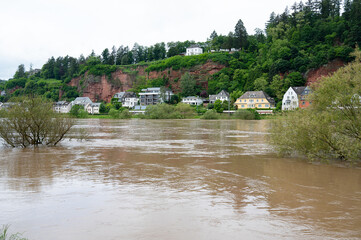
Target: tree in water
{"type": "Point", "coordinates": [31, 121]}
{"type": "Point", "coordinates": [331, 127]}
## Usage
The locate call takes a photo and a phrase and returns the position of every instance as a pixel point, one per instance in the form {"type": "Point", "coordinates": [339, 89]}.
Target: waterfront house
{"type": "Point", "coordinates": [192, 100]}
{"type": "Point", "coordinates": [223, 96]}
{"type": "Point", "coordinates": [154, 95]}
{"type": "Point", "coordinates": [82, 101]}
{"type": "Point", "coordinates": [119, 96]}
{"type": "Point", "coordinates": [291, 98]}
{"type": "Point", "coordinates": [93, 108]}
{"type": "Point", "coordinates": [62, 107]}
{"type": "Point", "coordinates": [295, 97]}
{"type": "Point", "coordinates": [304, 102]}
{"type": "Point", "coordinates": [129, 99]}
{"type": "Point", "coordinates": [255, 99]}
{"type": "Point", "coordinates": [194, 50]}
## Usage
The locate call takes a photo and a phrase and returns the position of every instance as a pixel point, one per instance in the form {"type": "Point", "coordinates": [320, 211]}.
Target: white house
{"type": "Point", "coordinates": [1, 105]}
{"type": "Point", "coordinates": [129, 99]}
{"type": "Point", "coordinates": [223, 96]}
{"type": "Point", "coordinates": [192, 100]}
{"type": "Point", "coordinates": [194, 50]}
{"type": "Point", "coordinates": [292, 98]}
{"type": "Point", "coordinates": [82, 101]}
{"type": "Point", "coordinates": [62, 107]}
{"type": "Point", "coordinates": [2, 93]}
{"type": "Point", "coordinates": [119, 96]}
{"type": "Point", "coordinates": [154, 95]}
{"type": "Point", "coordinates": [93, 108]}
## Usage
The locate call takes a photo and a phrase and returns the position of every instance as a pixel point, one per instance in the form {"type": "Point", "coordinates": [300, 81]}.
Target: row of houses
{"type": "Point", "coordinates": [85, 102]}
{"type": "Point", "coordinates": [295, 97]}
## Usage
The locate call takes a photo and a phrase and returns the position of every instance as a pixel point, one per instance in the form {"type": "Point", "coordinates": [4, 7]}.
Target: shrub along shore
{"type": "Point", "coordinates": [179, 111]}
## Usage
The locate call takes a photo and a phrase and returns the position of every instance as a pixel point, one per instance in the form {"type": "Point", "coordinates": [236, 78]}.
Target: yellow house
{"type": "Point", "coordinates": [255, 99]}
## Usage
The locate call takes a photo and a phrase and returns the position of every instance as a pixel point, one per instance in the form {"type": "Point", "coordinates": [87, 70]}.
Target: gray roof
{"type": "Point", "coordinates": [95, 104]}
{"type": "Point", "coordinates": [130, 95]}
{"type": "Point", "coordinates": [223, 94]}
{"type": "Point", "coordinates": [298, 90]}
{"type": "Point", "coordinates": [119, 95]}
{"type": "Point", "coordinates": [194, 46]}
{"type": "Point", "coordinates": [306, 91]}
{"type": "Point", "coordinates": [80, 100]}
{"type": "Point", "coordinates": [61, 103]}
{"type": "Point", "coordinates": [257, 94]}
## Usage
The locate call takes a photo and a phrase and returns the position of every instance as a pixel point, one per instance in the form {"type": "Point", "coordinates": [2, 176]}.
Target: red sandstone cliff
{"type": "Point", "coordinates": [100, 88]}
{"type": "Point", "coordinates": [315, 75]}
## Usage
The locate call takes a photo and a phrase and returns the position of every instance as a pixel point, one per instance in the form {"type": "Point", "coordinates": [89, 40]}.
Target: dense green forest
{"type": "Point", "coordinates": [305, 36]}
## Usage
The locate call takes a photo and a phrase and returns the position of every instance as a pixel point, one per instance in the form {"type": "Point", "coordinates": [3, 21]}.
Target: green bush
{"type": "Point", "coordinates": [246, 114]}
{"type": "Point", "coordinates": [211, 114]}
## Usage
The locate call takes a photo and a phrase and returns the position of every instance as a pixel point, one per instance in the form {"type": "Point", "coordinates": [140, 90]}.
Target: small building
{"type": "Point", "coordinates": [255, 99]}
{"type": "Point", "coordinates": [192, 100]}
{"type": "Point", "coordinates": [194, 50]}
{"type": "Point", "coordinates": [2, 93]}
{"type": "Point", "coordinates": [119, 96]}
{"type": "Point", "coordinates": [304, 102]}
{"type": "Point", "coordinates": [62, 107]}
{"type": "Point", "coordinates": [154, 95]}
{"type": "Point", "coordinates": [130, 99]}
{"type": "Point", "coordinates": [291, 98]}
{"type": "Point", "coordinates": [93, 108]}
{"type": "Point", "coordinates": [223, 96]}
{"type": "Point", "coordinates": [83, 101]}
{"type": "Point", "coordinates": [1, 104]}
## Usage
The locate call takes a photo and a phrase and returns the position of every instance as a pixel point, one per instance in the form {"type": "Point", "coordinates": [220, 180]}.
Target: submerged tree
{"type": "Point", "coordinates": [31, 121]}
{"type": "Point", "coordinates": [331, 126]}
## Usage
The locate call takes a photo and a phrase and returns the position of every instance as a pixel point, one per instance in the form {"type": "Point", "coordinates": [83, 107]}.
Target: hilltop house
{"type": "Point", "coordinates": [255, 99]}
{"type": "Point", "coordinates": [295, 97]}
{"type": "Point", "coordinates": [223, 96]}
{"type": "Point", "coordinates": [194, 50]}
{"type": "Point", "coordinates": [154, 95]}
{"type": "Point", "coordinates": [129, 99]}
{"type": "Point", "coordinates": [62, 107]}
{"type": "Point", "coordinates": [192, 100]}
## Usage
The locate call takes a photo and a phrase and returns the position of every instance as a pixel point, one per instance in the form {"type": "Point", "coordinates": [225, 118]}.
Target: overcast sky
{"type": "Point", "coordinates": [34, 30]}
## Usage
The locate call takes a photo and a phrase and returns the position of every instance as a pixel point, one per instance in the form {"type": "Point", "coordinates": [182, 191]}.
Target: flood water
{"type": "Point", "coordinates": [175, 179]}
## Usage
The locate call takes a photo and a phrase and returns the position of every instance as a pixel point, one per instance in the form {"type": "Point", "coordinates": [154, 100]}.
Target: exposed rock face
{"type": "Point", "coordinates": [315, 75]}
{"type": "Point", "coordinates": [103, 89]}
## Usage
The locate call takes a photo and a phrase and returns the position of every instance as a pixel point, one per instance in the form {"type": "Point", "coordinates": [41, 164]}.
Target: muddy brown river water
{"type": "Point", "coordinates": [175, 179]}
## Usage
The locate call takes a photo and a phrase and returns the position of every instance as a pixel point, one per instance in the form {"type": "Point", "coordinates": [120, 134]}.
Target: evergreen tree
{"type": "Point", "coordinates": [240, 34]}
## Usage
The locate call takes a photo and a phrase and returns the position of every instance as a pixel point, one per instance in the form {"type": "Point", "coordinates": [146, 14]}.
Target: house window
{"type": "Point", "coordinates": [303, 103]}
{"type": "Point", "coordinates": [259, 105]}
{"type": "Point", "coordinates": [242, 105]}
{"type": "Point", "coordinates": [266, 105]}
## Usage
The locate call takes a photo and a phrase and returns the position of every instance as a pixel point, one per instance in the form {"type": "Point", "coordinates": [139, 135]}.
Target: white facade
{"type": "Point", "coordinates": [192, 100]}
{"type": "Point", "coordinates": [290, 100]}
{"type": "Point", "coordinates": [194, 50]}
{"type": "Point", "coordinates": [1, 104]}
{"type": "Point", "coordinates": [130, 102]}
{"type": "Point", "coordinates": [62, 107]}
{"type": "Point", "coordinates": [93, 108]}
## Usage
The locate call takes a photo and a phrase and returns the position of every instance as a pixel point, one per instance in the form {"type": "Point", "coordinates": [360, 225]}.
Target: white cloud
{"type": "Point", "coordinates": [33, 31]}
